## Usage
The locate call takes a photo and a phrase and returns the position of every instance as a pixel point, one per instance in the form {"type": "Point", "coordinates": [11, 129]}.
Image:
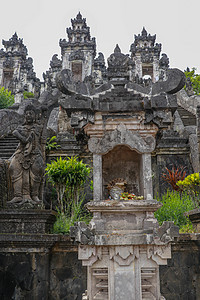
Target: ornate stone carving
{"type": "Point", "coordinates": [27, 164]}
{"type": "Point", "coordinates": [77, 55]}
{"type": "Point", "coordinates": [164, 61]}
{"type": "Point", "coordinates": [124, 255]}
{"type": "Point", "coordinates": [8, 63]}
{"type": "Point", "coordinates": [121, 136]}
{"type": "Point", "coordinates": [55, 62]}
{"type": "Point", "coordinates": [118, 64]}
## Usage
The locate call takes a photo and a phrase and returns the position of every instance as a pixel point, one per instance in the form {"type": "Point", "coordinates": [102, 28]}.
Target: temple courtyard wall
{"type": "Point", "coordinates": [44, 266]}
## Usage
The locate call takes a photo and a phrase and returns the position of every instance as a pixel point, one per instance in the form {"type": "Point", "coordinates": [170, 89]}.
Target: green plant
{"type": "Point", "coordinates": [6, 98]}
{"type": "Point", "coordinates": [78, 173]}
{"type": "Point", "coordinates": [28, 95]}
{"type": "Point", "coordinates": [173, 176]}
{"type": "Point", "coordinates": [175, 204]}
{"type": "Point", "coordinates": [57, 173]}
{"type": "Point", "coordinates": [65, 221]}
{"type": "Point", "coordinates": [195, 79]}
{"type": "Point", "coordinates": [68, 176]}
{"type": "Point", "coordinates": [191, 185]}
{"type": "Point", "coordinates": [187, 228]}
{"type": "Point", "coordinates": [51, 144]}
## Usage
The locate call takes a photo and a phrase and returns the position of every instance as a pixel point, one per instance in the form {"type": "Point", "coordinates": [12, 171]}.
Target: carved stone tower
{"type": "Point", "coordinates": [79, 51]}
{"type": "Point", "coordinates": [145, 53]}
{"type": "Point", "coordinates": [16, 70]}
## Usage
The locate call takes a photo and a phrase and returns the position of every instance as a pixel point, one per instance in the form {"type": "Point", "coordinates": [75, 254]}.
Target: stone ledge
{"type": "Point", "coordinates": [123, 206]}
{"type": "Point", "coordinates": [26, 221]}
{"type": "Point", "coordinates": [186, 242]}
{"type": "Point", "coordinates": [36, 243]}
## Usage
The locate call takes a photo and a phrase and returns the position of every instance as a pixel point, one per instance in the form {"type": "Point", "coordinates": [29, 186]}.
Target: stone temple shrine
{"type": "Point", "coordinates": [128, 119]}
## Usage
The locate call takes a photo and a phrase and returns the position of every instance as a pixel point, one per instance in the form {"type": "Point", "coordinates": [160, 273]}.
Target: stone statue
{"type": "Point", "coordinates": [189, 87]}
{"type": "Point", "coordinates": [27, 164]}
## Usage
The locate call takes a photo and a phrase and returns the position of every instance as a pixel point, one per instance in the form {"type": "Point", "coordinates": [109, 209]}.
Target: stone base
{"type": "Point", "coordinates": [194, 216]}
{"type": "Point", "coordinates": [27, 221]}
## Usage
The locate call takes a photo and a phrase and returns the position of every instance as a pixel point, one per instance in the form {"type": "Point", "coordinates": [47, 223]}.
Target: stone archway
{"type": "Point", "coordinates": [122, 137]}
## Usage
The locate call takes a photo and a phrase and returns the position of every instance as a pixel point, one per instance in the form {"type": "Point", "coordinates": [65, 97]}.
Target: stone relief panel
{"type": "Point", "coordinates": [121, 136]}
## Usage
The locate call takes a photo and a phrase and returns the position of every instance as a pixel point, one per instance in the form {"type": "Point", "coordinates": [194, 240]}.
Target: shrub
{"type": "Point", "coordinates": [175, 204]}
{"type": "Point", "coordinates": [28, 95]}
{"type": "Point", "coordinates": [191, 185]}
{"type": "Point", "coordinates": [65, 221]}
{"type": "Point", "coordinates": [51, 144]}
{"type": "Point", "coordinates": [195, 79]}
{"type": "Point", "coordinates": [68, 176]}
{"type": "Point", "coordinates": [6, 98]}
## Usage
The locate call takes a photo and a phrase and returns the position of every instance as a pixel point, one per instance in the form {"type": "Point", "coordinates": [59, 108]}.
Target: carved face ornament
{"type": "Point", "coordinates": [30, 116]}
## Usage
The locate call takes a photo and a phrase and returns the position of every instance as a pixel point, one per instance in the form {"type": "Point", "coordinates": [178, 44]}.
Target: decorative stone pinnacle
{"type": "Point", "coordinates": [117, 49]}
{"type": "Point", "coordinates": [144, 32]}
{"type": "Point", "coordinates": [79, 16]}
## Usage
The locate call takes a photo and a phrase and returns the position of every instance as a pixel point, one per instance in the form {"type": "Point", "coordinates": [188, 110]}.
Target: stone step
{"type": "Point", "coordinates": [8, 146]}
{"type": "Point", "coordinates": [187, 117]}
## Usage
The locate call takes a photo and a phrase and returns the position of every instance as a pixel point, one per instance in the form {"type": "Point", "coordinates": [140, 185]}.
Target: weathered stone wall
{"type": "Point", "coordinates": [50, 270]}
{"type": "Point", "coordinates": [47, 267]}
{"type": "Point", "coordinates": [180, 279]}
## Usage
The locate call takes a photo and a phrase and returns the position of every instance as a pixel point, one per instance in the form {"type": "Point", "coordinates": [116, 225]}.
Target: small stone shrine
{"type": "Point", "coordinates": [130, 119]}
{"type": "Point", "coordinates": [123, 246]}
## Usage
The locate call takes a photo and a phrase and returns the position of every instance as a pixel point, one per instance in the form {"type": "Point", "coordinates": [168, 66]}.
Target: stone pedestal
{"type": "Point", "coordinates": [26, 221]}
{"type": "Point", "coordinates": [124, 253]}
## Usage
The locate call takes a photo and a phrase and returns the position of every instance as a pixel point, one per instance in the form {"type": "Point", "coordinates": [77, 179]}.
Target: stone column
{"type": "Point", "coordinates": [146, 176]}
{"type": "Point", "coordinates": [97, 177]}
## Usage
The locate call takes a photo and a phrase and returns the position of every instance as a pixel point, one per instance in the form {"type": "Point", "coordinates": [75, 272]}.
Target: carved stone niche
{"type": "Point", "coordinates": [122, 162]}
{"type": "Point", "coordinates": [117, 154]}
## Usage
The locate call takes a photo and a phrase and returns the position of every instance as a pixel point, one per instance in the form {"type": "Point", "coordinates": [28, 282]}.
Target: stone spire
{"type": "Point", "coordinates": [79, 51]}
{"type": "Point", "coordinates": [16, 71]}
{"type": "Point", "coordinates": [79, 35]}
{"type": "Point", "coordinates": [145, 42]}
{"type": "Point", "coordinates": [146, 53]}
{"type": "Point", "coordinates": [15, 45]}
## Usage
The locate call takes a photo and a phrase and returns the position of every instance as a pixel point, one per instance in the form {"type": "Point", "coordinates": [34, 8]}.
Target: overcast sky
{"type": "Point", "coordinates": [41, 23]}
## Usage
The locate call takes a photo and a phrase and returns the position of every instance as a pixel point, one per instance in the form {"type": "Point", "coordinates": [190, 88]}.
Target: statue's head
{"type": "Point", "coordinates": [30, 114]}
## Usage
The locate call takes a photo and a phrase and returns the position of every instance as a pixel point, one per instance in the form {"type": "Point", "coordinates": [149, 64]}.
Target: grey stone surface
{"type": "Point", "coordinates": [29, 271]}
{"type": "Point", "coordinates": [40, 267]}
{"type": "Point", "coordinates": [121, 136]}
{"type": "Point", "coordinates": [125, 246]}
{"type": "Point", "coordinates": [26, 221]}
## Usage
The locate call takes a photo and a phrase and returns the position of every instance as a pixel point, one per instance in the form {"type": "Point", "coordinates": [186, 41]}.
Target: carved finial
{"type": "Point", "coordinates": [79, 16]}
{"type": "Point", "coordinates": [117, 49]}
{"type": "Point", "coordinates": [144, 32]}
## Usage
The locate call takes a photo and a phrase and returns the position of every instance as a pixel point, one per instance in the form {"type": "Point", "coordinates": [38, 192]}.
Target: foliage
{"type": "Point", "coordinates": [187, 228]}
{"type": "Point", "coordinates": [191, 185]}
{"type": "Point", "coordinates": [68, 176]}
{"type": "Point", "coordinates": [173, 176]}
{"type": "Point", "coordinates": [51, 144]}
{"type": "Point", "coordinates": [175, 204]}
{"type": "Point", "coordinates": [28, 95]}
{"type": "Point", "coordinates": [127, 196]}
{"type": "Point", "coordinates": [6, 98]}
{"type": "Point", "coordinates": [58, 176]}
{"type": "Point", "coordinates": [65, 221]}
{"type": "Point", "coordinates": [195, 79]}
